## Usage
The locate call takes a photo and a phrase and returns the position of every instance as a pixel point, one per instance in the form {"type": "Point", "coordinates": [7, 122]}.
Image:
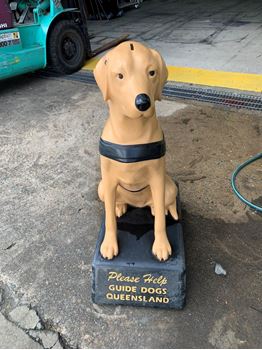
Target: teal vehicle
{"type": "Point", "coordinates": [37, 33]}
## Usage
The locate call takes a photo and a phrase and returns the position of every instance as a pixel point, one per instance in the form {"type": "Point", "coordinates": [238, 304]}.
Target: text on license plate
{"type": "Point", "coordinates": [7, 39]}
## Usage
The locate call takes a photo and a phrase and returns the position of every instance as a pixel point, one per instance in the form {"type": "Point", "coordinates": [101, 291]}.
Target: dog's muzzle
{"type": "Point", "coordinates": [142, 102]}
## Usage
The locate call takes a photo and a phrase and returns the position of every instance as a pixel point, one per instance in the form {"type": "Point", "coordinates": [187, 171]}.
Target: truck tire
{"type": "Point", "coordinates": [66, 48]}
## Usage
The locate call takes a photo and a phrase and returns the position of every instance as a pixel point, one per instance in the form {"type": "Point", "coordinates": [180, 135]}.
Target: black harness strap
{"type": "Point", "coordinates": [132, 153]}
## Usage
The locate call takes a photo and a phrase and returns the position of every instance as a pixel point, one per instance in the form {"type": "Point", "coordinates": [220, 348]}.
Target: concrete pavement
{"type": "Point", "coordinates": [221, 35]}
{"type": "Point", "coordinates": [211, 43]}
{"type": "Point", "coordinates": [50, 217]}
{"type": "Point", "coordinates": [12, 337]}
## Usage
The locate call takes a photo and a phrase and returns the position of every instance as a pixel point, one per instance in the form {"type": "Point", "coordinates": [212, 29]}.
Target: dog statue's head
{"type": "Point", "coordinates": [131, 77]}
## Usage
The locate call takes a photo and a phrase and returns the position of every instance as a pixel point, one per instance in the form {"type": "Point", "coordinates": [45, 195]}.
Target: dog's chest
{"type": "Point", "coordinates": [132, 172]}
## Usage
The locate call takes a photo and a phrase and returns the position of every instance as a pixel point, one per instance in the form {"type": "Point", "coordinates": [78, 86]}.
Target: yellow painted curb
{"type": "Point", "coordinates": [231, 80]}
{"type": "Point", "coordinates": [90, 64]}
{"type": "Point", "coordinates": [198, 76]}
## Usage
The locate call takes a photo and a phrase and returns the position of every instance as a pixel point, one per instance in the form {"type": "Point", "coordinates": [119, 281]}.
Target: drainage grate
{"type": "Point", "coordinates": [172, 90]}
{"type": "Point", "coordinates": [226, 98]}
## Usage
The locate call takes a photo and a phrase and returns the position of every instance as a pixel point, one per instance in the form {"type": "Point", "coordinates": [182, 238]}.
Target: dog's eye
{"type": "Point", "coordinates": [152, 73]}
{"type": "Point", "coordinates": [120, 76]}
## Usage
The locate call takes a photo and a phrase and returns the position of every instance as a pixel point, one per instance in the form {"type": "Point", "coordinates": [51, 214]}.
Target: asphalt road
{"type": "Point", "coordinates": [50, 217]}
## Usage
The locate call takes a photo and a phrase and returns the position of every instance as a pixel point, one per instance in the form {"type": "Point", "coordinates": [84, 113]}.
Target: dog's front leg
{"type": "Point", "coordinates": [161, 247]}
{"type": "Point", "coordinates": [109, 246]}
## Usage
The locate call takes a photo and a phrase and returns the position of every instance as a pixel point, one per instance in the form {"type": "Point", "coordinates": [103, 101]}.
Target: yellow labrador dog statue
{"type": "Point", "coordinates": [132, 145]}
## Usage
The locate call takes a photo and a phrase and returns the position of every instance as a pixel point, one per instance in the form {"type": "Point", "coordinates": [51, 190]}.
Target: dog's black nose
{"type": "Point", "coordinates": [142, 102]}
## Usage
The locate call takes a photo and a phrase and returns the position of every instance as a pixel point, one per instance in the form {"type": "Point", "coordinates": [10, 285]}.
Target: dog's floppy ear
{"type": "Point", "coordinates": [101, 76]}
{"type": "Point", "coordinates": [163, 73]}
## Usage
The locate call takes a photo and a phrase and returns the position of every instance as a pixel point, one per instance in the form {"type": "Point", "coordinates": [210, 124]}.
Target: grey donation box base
{"type": "Point", "coordinates": [135, 277]}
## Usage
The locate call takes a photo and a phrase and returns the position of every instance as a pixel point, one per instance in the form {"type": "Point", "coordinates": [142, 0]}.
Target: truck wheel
{"type": "Point", "coordinates": [66, 47]}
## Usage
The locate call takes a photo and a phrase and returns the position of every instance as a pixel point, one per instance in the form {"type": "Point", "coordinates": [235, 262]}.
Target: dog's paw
{"type": "Point", "coordinates": [120, 209]}
{"type": "Point", "coordinates": [173, 211]}
{"type": "Point", "coordinates": [162, 249]}
{"type": "Point", "coordinates": [109, 249]}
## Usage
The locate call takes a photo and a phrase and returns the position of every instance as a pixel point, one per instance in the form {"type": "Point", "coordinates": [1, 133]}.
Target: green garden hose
{"type": "Point", "coordinates": [233, 182]}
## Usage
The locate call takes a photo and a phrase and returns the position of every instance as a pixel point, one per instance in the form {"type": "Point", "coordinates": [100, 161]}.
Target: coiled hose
{"type": "Point", "coordinates": [233, 182]}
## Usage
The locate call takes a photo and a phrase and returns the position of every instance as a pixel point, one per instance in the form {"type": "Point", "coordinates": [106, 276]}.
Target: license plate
{"type": "Point", "coordinates": [8, 39]}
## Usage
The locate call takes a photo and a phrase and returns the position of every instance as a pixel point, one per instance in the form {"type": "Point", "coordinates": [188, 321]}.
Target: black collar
{"type": "Point", "coordinates": [132, 153]}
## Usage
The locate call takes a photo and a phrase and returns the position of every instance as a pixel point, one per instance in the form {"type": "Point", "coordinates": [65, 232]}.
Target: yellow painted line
{"type": "Point", "coordinates": [90, 64]}
{"type": "Point", "coordinates": [231, 80]}
{"type": "Point", "coordinates": [198, 76]}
